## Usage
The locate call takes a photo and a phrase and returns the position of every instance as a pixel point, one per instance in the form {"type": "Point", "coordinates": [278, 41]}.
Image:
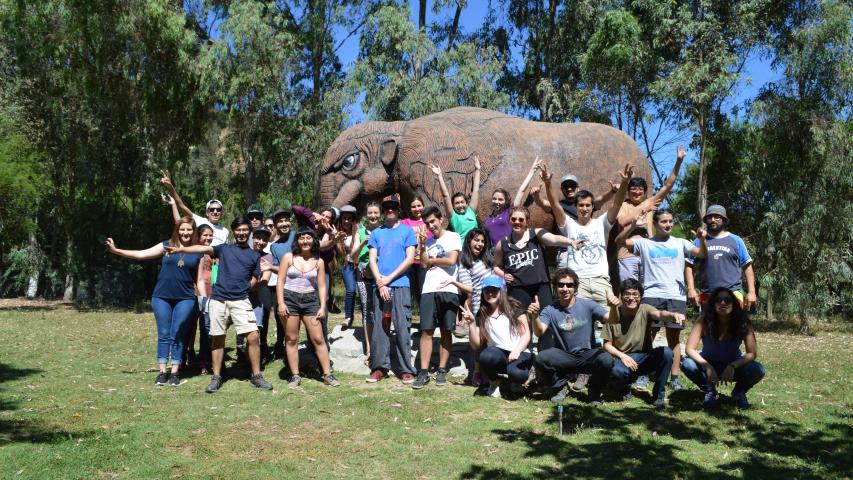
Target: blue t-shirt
{"type": "Point", "coordinates": [572, 327]}
{"type": "Point", "coordinates": [282, 246]}
{"type": "Point", "coordinates": [177, 275]}
{"type": "Point", "coordinates": [727, 255]}
{"type": "Point", "coordinates": [237, 266]}
{"type": "Point", "coordinates": [390, 245]}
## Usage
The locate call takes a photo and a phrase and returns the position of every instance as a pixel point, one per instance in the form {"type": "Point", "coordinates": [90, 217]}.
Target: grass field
{"type": "Point", "coordinates": [78, 401]}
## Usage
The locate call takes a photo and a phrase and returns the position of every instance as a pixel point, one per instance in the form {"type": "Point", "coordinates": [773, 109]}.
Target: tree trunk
{"type": "Point", "coordinates": [702, 202]}
{"type": "Point", "coordinates": [248, 157]}
{"type": "Point", "coordinates": [70, 281]}
{"type": "Point", "coordinates": [455, 27]}
{"type": "Point", "coordinates": [33, 281]}
{"type": "Point", "coordinates": [805, 326]}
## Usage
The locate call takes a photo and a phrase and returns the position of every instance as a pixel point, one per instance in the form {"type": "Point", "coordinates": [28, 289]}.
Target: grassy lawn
{"type": "Point", "coordinates": [77, 401]}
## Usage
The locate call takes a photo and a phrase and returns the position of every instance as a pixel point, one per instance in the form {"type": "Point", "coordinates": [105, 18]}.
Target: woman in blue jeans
{"type": "Point", "coordinates": [501, 334]}
{"type": "Point", "coordinates": [722, 327]}
{"type": "Point", "coordinates": [349, 269]}
{"type": "Point", "coordinates": [174, 299]}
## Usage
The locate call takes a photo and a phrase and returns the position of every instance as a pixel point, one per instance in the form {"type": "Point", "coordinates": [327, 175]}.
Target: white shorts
{"type": "Point", "coordinates": [224, 313]}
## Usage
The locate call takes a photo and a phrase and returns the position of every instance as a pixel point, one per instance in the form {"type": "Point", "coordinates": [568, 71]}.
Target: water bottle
{"type": "Point", "coordinates": [387, 306]}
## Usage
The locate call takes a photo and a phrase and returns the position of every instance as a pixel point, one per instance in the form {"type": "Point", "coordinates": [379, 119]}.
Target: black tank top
{"type": "Point", "coordinates": [527, 264]}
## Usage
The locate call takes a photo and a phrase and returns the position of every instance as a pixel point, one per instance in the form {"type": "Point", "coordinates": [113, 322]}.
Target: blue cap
{"type": "Point", "coordinates": [493, 281]}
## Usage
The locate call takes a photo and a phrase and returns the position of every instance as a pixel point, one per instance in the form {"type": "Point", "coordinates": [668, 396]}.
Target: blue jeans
{"type": "Point", "coordinates": [173, 317]}
{"type": "Point", "coordinates": [746, 377]}
{"type": "Point", "coordinates": [348, 273]}
{"type": "Point", "coordinates": [658, 361]}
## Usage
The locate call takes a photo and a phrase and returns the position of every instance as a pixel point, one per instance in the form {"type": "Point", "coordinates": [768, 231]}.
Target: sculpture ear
{"type": "Point", "coordinates": [388, 153]}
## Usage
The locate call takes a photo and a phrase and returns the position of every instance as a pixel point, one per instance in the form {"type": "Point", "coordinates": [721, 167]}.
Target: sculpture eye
{"type": "Point", "coordinates": [350, 162]}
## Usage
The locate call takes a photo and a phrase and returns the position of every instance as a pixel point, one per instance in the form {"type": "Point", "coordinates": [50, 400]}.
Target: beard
{"type": "Point", "coordinates": [714, 230]}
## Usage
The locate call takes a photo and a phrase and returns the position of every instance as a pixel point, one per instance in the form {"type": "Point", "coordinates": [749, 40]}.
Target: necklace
{"type": "Point", "coordinates": [181, 261]}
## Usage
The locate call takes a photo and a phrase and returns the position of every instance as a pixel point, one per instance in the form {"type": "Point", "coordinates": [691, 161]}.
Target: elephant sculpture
{"type": "Point", "coordinates": [374, 159]}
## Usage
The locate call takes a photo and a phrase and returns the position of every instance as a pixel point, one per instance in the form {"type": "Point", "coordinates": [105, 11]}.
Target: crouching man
{"type": "Point", "coordinates": [628, 337]}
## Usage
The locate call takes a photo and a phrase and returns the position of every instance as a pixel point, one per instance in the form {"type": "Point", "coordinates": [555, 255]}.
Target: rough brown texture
{"type": "Point", "coordinates": [374, 159]}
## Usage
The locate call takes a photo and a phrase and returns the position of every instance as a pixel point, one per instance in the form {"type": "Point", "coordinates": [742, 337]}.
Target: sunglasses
{"type": "Point", "coordinates": [518, 220]}
{"type": "Point", "coordinates": [728, 300]}
{"type": "Point", "coordinates": [269, 225]}
{"type": "Point", "coordinates": [214, 209]}
{"type": "Point", "coordinates": [565, 285]}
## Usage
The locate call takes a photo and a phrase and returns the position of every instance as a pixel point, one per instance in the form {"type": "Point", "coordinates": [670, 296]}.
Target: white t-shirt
{"type": "Point", "coordinates": [220, 233]}
{"type": "Point", "coordinates": [500, 335]}
{"type": "Point", "coordinates": [441, 248]}
{"type": "Point", "coordinates": [591, 260]}
{"type": "Point", "coordinates": [663, 264]}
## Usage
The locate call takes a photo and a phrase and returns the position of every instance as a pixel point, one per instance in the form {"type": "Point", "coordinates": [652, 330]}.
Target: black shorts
{"type": "Point", "coordinates": [439, 309]}
{"type": "Point", "coordinates": [299, 304]}
{"type": "Point", "coordinates": [667, 305]}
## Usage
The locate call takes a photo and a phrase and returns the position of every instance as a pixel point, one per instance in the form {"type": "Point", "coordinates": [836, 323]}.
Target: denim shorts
{"type": "Point", "coordinates": [299, 304]}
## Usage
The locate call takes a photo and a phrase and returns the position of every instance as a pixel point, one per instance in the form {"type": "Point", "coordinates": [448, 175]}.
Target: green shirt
{"type": "Point", "coordinates": [462, 224]}
{"type": "Point", "coordinates": [364, 254]}
{"type": "Point", "coordinates": [630, 335]}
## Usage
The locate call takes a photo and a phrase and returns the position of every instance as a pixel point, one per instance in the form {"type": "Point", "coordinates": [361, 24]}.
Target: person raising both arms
{"type": "Point", "coordinates": [174, 300]}
{"type": "Point", "coordinates": [635, 203]}
{"type": "Point", "coordinates": [213, 211]}
{"type": "Point", "coordinates": [239, 270]}
{"type": "Point", "coordinates": [461, 212]}
{"type": "Point", "coordinates": [663, 258]}
{"type": "Point", "coordinates": [722, 327]}
{"type": "Point", "coordinates": [497, 222]}
{"type": "Point", "coordinates": [301, 297]}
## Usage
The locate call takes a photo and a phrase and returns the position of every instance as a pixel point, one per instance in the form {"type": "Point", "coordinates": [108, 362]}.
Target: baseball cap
{"type": "Point", "coordinates": [569, 178]}
{"type": "Point", "coordinates": [395, 198]}
{"type": "Point", "coordinates": [254, 211]}
{"type": "Point", "coordinates": [348, 209]}
{"type": "Point", "coordinates": [212, 202]}
{"type": "Point", "coordinates": [281, 212]}
{"type": "Point", "coordinates": [261, 231]}
{"type": "Point", "coordinates": [493, 281]}
{"type": "Point", "coordinates": [716, 210]}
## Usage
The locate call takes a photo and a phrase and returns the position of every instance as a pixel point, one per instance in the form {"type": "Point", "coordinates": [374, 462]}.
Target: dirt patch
{"type": "Point", "coordinates": [24, 303]}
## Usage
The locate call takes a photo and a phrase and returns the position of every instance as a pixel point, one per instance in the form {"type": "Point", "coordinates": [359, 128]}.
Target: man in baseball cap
{"type": "Point", "coordinates": [213, 212]}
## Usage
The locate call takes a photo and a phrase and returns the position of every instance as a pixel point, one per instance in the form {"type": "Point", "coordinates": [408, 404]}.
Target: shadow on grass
{"type": "Point", "coordinates": [778, 449]}
{"type": "Point", "coordinates": [14, 430]}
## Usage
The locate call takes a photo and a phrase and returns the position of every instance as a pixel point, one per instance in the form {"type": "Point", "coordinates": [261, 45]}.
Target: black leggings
{"type": "Point", "coordinates": [525, 294]}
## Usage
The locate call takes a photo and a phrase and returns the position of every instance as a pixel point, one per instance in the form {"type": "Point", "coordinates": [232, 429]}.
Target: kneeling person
{"type": "Point", "coordinates": [439, 298]}
{"type": "Point", "coordinates": [628, 337]}
{"type": "Point", "coordinates": [571, 320]}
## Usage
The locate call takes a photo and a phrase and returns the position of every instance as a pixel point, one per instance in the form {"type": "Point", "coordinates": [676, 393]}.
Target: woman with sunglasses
{"type": "Point", "coordinates": [501, 334]}
{"type": "Point", "coordinates": [301, 298]}
{"type": "Point", "coordinates": [174, 299]}
{"type": "Point", "coordinates": [722, 327]}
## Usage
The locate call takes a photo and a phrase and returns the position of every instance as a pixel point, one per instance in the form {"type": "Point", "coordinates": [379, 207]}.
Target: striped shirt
{"type": "Point", "coordinates": [474, 277]}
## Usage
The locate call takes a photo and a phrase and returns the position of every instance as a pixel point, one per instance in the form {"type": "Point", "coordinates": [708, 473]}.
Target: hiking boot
{"type": "Point", "coordinates": [258, 381]}
{"type": "Point", "coordinates": [174, 380]}
{"type": "Point", "coordinates": [407, 378]}
{"type": "Point", "coordinates": [711, 397]}
{"type": "Point", "coordinates": [294, 380]}
{"type": "Point", "coordinates": [161, 379]}
{"type": "Point", "coordinates": [214, 385]}
{"type": "Point", "coordinates": [330, 380]}
{"type": "Point", "coordinates": [642, 382]}
{"type": "Point", "coordinates": [421, 381]}
{"type": "Point", "coordinates": [561, 395]}
{"type": "Point", "coordinates": [494, 388]}
{"type": "Point", "coordinates": [375, 376]}
{"type": "Point", "coordinates": [580, 383]}
{"type": "Point", "coordinates": [741, 401]}
{"type": "Point", "coordinates": [441, 377]}
{"type": "Point", "coordinates": [675, 384]}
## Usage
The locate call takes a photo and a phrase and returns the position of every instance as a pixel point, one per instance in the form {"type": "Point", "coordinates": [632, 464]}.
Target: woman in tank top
{"type": "Point", "coordinates": [723, 327]}
{"type": "Point", "coordinates": [501, 334]}
{"type": "Point", "coordinates": [347, 225]}
{"type": "Point", "coordinates": [174, 299]}
{"type": "Point", "coordinates": [520, 259]}
{"type": "Point", "coordinates": [301, 295]}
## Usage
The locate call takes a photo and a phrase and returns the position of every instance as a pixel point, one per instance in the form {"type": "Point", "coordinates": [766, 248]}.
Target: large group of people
{"type": "Point", "coordinates": [534, 320]}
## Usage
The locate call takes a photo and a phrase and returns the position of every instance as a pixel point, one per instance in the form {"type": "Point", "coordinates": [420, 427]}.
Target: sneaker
{"type": "Point", "coordinates": [161, 379]}
{"type": "Point", "coordinates": [580, 383]}
{"type": "Point", "coordinates": [560, 396]}
{"type": "Point", "coordinates": [642, 382]}
{"type": "Point", "coordinates": [375, 376]}
{"type": "Point", "coordinates": [594, 395]}
{"type": "Point", "coordinates": [294, 380]}
{"type": "Point", "coordinates": [627, 396]}
{"type": "Point", "coordinates": [258, 381]}
{"type": "Point", "coordinates": [215, 383]}
{"type": "Point", "coordinates": [675, 384]}
{"type": "Point", "coordinates": [423, 379]}
{"type": "Point", "coordinates": [330, 380]}
{"type": "Point", "coordinates": [477, 379]}
{"type": "Point", "coordinates": [710, 399]}
{"type": "Point", "coordinates": [531, 378]}
{"type": "Point", "coordinates": [461, 330]}
{"type": "Point", "coordinates": [740, 400]}
{"type": "Point", "coordinates": [407, 378]}
{"type": "Point", "coordinates": [494, 390]}
{"type": "Point", "coordinates": [482, 390]}
{"type": "Point", "coordinates": [441, 377]}
{"type": "Point", "coordinates": [174, 380]}
{"type": "Point", "coordinates": [659, 403]}
{"type": "Point", "coordinates": [346, 325]}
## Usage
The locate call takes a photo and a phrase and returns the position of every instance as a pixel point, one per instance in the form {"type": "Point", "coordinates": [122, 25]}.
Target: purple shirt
{"type": "Point", "coordinates": [498, 225]}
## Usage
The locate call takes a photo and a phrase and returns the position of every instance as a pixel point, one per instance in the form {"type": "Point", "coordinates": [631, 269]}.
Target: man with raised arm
{"type": "Point", "coordinates": [213, 212]}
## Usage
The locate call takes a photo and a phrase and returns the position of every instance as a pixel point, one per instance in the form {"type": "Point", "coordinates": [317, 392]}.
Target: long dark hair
{"type": "Point", "coordinates": [739, 324]}
{"type": "Point", "coordinates": [507, 305]}
{"type": "Point", "coordinates": [315, 243]}
{"type": "Point", "coordinates": [467, 257]}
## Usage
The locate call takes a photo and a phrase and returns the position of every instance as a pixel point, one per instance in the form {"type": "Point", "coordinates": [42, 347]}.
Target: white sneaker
{"type": "Point", "coordinates": [495, 389]}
